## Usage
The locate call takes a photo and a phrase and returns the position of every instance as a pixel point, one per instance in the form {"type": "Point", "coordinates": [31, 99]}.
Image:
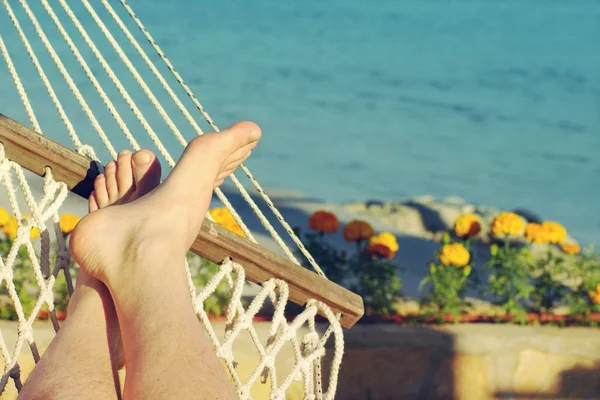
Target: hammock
{"type": "Point", "coordinates": [66, 170]}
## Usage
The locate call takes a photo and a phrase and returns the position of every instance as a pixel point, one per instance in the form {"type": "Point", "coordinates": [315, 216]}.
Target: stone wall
{"type": "Point", "coordinates": [470, 362]}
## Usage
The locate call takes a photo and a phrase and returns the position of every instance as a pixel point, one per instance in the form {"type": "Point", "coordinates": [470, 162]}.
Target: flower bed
{"type": "Point", "coordinates": [525, 285]}
{"type": "Point", "coordinates": [524, 288]}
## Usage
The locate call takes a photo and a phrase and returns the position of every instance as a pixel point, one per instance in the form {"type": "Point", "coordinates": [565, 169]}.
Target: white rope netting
{"type": "Point", "coordinates": [145, 106]}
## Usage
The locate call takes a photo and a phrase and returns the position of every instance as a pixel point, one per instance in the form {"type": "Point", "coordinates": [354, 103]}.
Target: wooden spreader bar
{"type": "Point", "coordinates": [36, 152]}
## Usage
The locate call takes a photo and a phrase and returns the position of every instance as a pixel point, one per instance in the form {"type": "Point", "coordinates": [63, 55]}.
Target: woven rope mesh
{"type": "Point", "coordinates": [101, 85]}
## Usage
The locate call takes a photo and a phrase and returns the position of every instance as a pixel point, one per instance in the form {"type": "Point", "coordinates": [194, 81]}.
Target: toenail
{"type": "Point", "coordinates": [124, 153]}
{"type": "Point", "coordinates": [254, 135]}
{"type": "Point", "coordinates": [111, 164]}
{"type": "Point", "coordinates": [141, 158]}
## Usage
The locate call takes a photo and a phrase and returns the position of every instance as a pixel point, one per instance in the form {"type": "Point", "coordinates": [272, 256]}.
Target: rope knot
{"type": "Point", "coordinates": [87, 151]}
{"type": "Point", "coordinates": [63, 259]}
{"type": "Point", "coordinates": [48, 297]}
{"type": "Point", "coordinates": [23, 231]}
{"type": "Point", "coordinates": [310, 342]}
{"type": "Point", "coordinates": [226, 354]}
{"type": "Point", "coordinates": [15, 372]}
{"type": "Point", "coordinates": [24, 330]}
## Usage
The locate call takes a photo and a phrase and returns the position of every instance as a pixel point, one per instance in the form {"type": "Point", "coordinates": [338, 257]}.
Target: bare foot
{"type": "Point", "coordinates": [129, 178]}
{"type": "Point", "coordinates": [167, 219]}
{"type": "Point", "coordinates": [88, 349]}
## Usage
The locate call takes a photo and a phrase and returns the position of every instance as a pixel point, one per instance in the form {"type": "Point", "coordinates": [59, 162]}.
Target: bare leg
{"type": "Point", "coordinates": [83, 359]}
{"type": "Point", "coordinates": [137, 250]}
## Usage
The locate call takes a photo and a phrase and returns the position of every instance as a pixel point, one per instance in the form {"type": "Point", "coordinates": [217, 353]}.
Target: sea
{"type": "Point", "coordinates": [497, 102]}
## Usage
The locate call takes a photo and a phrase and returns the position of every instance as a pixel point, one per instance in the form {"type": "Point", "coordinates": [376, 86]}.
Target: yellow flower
{"type": "Point", "coordinates": [454, 254]}
{"type": "Point", "coordinates": [467, 225]}
{"type": "Point", "coordinates": [507, 223]}
{"type": "Point", "coordinates": [386, 239]}
{"type": "Point", "coordinates": [4, 216]}
{"type": "Point", "coordinates": [536, 233]}
{"type": "Point", "coordinates": [68, 222]}
{"type": "Point", "coordinates": [557, 233]}
{"type": "Point", "coordinates": [357, 230]}
{"type": "Point", "coordinates": [12, 226]}
{"type": "Point", "coordinates": [595, 294]}
{"type": "Point", "coordinates": [34, 233]}
{"type": "Point", "coordinates": [571, 248]}
{"type": "Point", "coordinates": [223, 217]}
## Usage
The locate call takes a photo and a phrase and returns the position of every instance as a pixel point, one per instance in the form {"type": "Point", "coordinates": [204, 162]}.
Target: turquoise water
{"type": "Point", "coordinates": [496, 102]}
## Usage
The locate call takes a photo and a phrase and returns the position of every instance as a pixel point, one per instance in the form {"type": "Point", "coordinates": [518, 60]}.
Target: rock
{"type": "Point", "coordinates": [407, 220]}
{"type": "Point", "coordinates": [469, 209]}
{"type": "Point", "coordinates": [370, 203]}
{"type": "Point", "coordinates": [376, 211]}
{"type": "Point", "coordinates": [355, 207]}
{"type": "Point", "coordinates": [454, 200]}
{"type": "Point", "coordinates": [448, 214]}
{"type": "Point", "coordinates": [389, 208]}
{"type": "Point", "coordinates": [425, 199]}
{"type": "Point", "coordinates": [487, 214]}
{"type": "Point", "coordinates": [430, 217]}
{"type": "Point", "coordinates": [528, 215]}
{"type": "Point", "coordinates": [438, 216]}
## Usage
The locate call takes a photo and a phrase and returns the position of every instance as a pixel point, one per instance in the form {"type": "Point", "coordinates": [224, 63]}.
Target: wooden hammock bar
{"type": "Point", "coordinates": [35, 152]}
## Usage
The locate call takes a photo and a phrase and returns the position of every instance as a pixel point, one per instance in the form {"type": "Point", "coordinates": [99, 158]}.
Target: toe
{"type": "Point", "coordinates": [239, 156]}
{"type": "Point", "coordinates": [124, 173]}
{"type": "Point", "coordinates": [146, 172]}
{"type": "Point", "coordinates": [243, 133]}
{"type": "Point", "coordinates": [110, 174]}
{"type": "Point", "coordinates": [208, 154]}
{"type": "Point", "coordinates": [92, 203]}
{"type": "Point", "coordinates": [100, 191]}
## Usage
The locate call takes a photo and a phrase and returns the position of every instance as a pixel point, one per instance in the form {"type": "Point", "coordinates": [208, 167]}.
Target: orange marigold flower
{"type": "Point", "coordinates": [387, 239]}
{"type": "Point", "coordinates": [357, 230]}
{"type": "Point", "coordinates": [380, 250]}
{"type": "Point", "coordinates": [323, 222]}
{"type": "Point", "coordinates": [571, 248]}
{"type": "Point", "coordinates": [467, 225]}
{"type": "Point", "coordinates": [68, 222]}
{"type": "Point", "coordinates": [507, 223]}
{"type": "Point", "coordinates": [223, 217]}
{"type": "Point", "coordinates": [4, 216]}
{"type": "Point", "coordinates": [536, 233]}
{"type": "Point", "coordinates": [454, 254]}
{"type": "Point", "coordinates": [557, 233]}
{"type": "Point", "coordinates": [595, 294]}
